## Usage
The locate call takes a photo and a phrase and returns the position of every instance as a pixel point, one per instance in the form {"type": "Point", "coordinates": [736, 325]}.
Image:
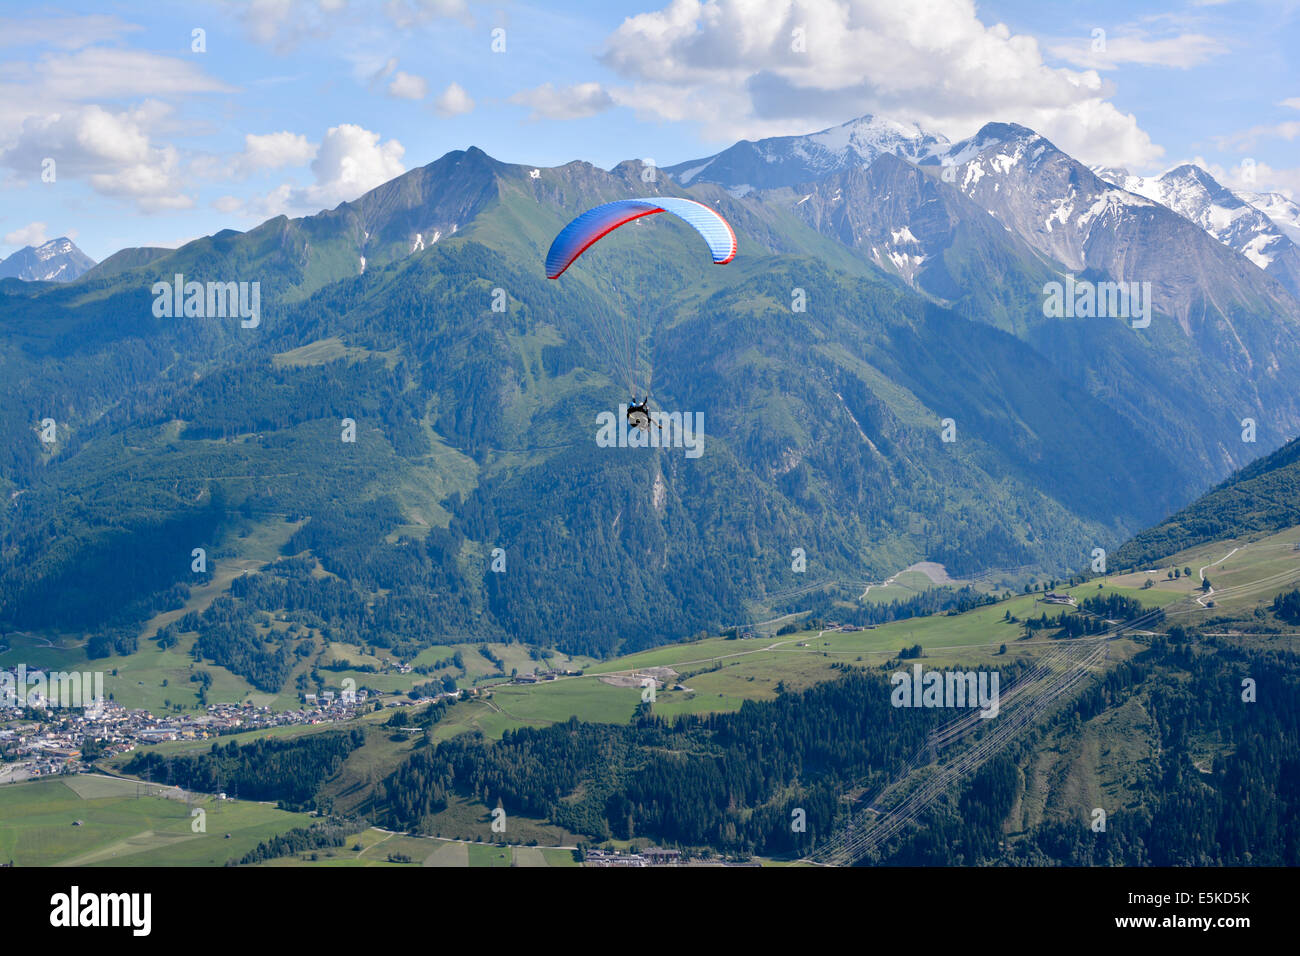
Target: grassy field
{"type": "Point", "coordinates": [156, 679]}
{"type": "Point", "coordinates": [1092, 768]}
{"type": "Point", "coordinates": [376, 847]}
{"type": "Point", "coordinates": [119, 828]}
{"type": "Point", "coordinates": [324, 351]}
{"type": "Point", "coordinates": [1244, 572]}
{"type": "Point", "coordinates": [720, 674]}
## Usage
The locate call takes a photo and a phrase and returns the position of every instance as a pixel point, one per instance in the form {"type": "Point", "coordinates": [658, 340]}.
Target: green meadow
{"type": "Point", "coordinates": [92, 820]}
{"type": "Point", "coordinates": [122, 824]}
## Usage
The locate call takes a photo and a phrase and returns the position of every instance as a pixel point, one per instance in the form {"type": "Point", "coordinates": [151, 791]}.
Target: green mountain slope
{"type": "Point", "coordinates": [1263, 496]}
{"type": "Point", "coordinates": [475, 429]}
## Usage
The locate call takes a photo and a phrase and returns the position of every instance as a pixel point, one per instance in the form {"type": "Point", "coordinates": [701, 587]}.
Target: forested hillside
{"type": "Point", "coordinates": [1263, 496]}
{"type": "Point", "coordinates": [474, 384]}
{"type": "Point", "coordinates": [1220, 786]}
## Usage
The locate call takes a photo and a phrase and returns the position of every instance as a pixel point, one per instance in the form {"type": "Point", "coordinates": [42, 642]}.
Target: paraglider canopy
{"type": "Point", "coordinates": [579, 235]}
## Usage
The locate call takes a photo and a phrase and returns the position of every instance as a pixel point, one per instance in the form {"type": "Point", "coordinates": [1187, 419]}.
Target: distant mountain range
{"type": "Point", "coordinates": [886, 281]}
{"type": "Point", "coordinates": [1264, 227]}
{"type": "Point", "coordinates": [58, 260]}
{"type": "Point", "coordinates": [791, 160]}
{"type": "Point", "coordinates": [1233, 219]}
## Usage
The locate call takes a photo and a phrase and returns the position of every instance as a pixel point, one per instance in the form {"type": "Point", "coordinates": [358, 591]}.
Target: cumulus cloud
{"type": "Point", "coordinates": [748, 70]}
{"type": "Point", "coordinates": [569, 102]}
{"type": "Point", "coordinates": [277, 150]}
{"type": "Point", "coordinates": [408, 86]}
{"type": "Point", "coordinates": [32, 234]}
{"type": "Point", "coordinates": [453, 101]}
{"type": "Point", "coordinates": [111, 151]}
{"type": "Point", "coordinates": [1254, 176]}
{"type": "Point", "coordinates": [351, 160]}
{"type": "Point", "coordinates": [261, 152]}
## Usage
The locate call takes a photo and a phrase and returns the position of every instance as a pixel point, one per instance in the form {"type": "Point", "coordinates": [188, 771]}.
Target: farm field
{"type": "Point", "coordinates": [119, 828]}
{"type": "Point", "coordinates": [376, 847]}
{"type": "Point", "coordinates": [717, 674]}
{"type": "Point", "coordinates": [720, 673]}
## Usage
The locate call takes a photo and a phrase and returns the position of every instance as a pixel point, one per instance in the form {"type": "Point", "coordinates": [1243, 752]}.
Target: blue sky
{"type": "Point", "coordinates": [297, 105]}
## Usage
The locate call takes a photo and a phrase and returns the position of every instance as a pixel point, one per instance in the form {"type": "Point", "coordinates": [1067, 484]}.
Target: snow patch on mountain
{"type": "Point", "coordinates": [1194, 194]}
{"type": "Point", "coordinates": [789, 160]}
{"type": "Point", "coordinates": [58, 260]}
{"type": "Point", "coordinates": [1282, 211]}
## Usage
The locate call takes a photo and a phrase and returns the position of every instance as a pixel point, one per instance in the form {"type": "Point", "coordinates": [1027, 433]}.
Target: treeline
{"type": "Point", "coordinates": [729, 781]}
{"type": "Point", "coordinates": [930, 601]}
{"type": "Point", "coordinates": [1287, 606]}
{"type": "Point", "coordinates": [287, 771]}
{"type": "Point", "coordinates": [107, 581]}
{"type": "Point", "coordinates": [1263, 496]}
{"type": "Point", "coordinates": [333, 833]}
{"type": "Point", "coordinates": [228, 636]}
{"type": "Point", "coordinates": [1098, 610]}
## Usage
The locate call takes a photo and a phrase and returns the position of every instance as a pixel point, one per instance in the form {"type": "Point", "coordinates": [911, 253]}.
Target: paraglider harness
{"type": "Point", "coordinates": [638, 414]}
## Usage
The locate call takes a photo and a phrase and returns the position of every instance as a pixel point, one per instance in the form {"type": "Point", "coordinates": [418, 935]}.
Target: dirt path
{"type": "Point", "coordinates": [1201, 574]}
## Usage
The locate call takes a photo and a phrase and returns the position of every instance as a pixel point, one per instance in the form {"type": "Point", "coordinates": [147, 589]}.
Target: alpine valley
{"type": "Point", "coordinates": [878, 380]}
{"type": "Point", "coordinates": [361, 522]}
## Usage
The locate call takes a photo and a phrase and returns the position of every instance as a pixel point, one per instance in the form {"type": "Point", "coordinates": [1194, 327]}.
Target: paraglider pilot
{"type": "Point", "coordinates": [638, 414]}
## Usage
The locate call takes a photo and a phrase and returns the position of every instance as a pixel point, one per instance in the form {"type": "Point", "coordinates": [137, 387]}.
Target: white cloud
{"type": "Point", "coordinates": [99, 73]}
{"type": "Point", "coordinates": [569, 102]}
{"type": "Point", "coordinates": [1249, 138]}
{"type": "Point", "coordinates": [276, 150]}
{"type": "Point", "coordinates": [65, 32]}
{"type": "Point", "coordinates": [453, 101]}
{"type": "Point", "coordinates": [262, 151]}
{"type": "Point", "coordinates": [351, 161]}
{"type": "Point", "coordinates": [32, 234]}
{"type": "Point", "coordinates": [152, 186]}
{"type": "Point", "coordinates": [111, 151]}
{"type": "Point", "coordinates": [408, 86]}
{"type": "Point", "coordinates": [408, 13]}
{"type": "Point", "coordinates": [741, 69]}
{"type": "Point", "coordinates": [1254, 176]}
{"type": "Point", "coordinates": [285, 22]}
{"type": "Point", "coordinates": [1132, 45]}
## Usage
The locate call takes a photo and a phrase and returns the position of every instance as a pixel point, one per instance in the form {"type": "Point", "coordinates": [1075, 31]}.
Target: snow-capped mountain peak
{"type": "Point", "coordinates": [58, 260]}
{"type": "Point", "coordinates": [789, 160]}
{"type": "Point", "coordinates": [1239, 224]}
{"type": "Point", "coordinates": [1283, 211]}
